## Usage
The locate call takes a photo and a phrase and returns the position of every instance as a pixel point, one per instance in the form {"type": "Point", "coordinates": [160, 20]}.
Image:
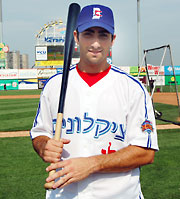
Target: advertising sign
{"type": "Point", "coordinates": [10, 84]}
{"type": "Point", "coordinates": [159, 80]}
{"type": "Point", "coordinates": [60, 40]}
{"type": "Point", "coordinates": [59, 70]}
{"type": "Point", "coordinates": [3, 48]}
{"type": "Point", "coordinates": [169, 71]}
{"type": "Point", "coordinates": [27, 73]}
{"type": "Point", "coordinates": [46, 73]}
{"type": "Point", "coordinates": [49, 63]}
{"type": "Point", "coordinates": [9, 74]}
{"type": "Point", "coordinates": [170, 80]}
{"type": "Point", "coordinates": [41, 53]}
{"type": "Point", "coordinates": [134, 71]}
{"type": "Point", "coordinates": [6, 49]}
{"type": "Point", "coordinates": [52, 34]}
{"type": "Point", "coordinates": [155, 70]}
{"type": "Point", "coordinates": [2, 55]}
{"type": "Point", "coordinates": [109, 60]}
{"type": "Point", "coordinates": [41, 83]}
{"type": "Point", "coordinates": [28, 84]}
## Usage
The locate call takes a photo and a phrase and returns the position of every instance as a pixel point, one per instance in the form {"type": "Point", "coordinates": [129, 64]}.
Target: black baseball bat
{"type": "Point", "coordinates": [73, 13]}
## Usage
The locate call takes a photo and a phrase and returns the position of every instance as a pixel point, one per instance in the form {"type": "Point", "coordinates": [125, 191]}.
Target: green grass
{"type": "Point", "coordinates": [17, 114]}
{"type": "Point", "coordinates": [23, 172]}
{"type": "Point", "coordinates": [169, 112]}
{"type": "Point", "coordinates": [161, 179]}
{"type": "Point", "coordinates": [20, 92]}
{"type": "Point", "coordinates": [166, 88]}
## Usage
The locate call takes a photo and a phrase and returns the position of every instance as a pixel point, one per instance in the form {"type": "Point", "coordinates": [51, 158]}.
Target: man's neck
{"type": "Point", "coordinates": [92, 68]}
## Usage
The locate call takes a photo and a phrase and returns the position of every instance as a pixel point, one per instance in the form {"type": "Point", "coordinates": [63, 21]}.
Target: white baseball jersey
{"type": "Point", "coordinates": [106, 117]}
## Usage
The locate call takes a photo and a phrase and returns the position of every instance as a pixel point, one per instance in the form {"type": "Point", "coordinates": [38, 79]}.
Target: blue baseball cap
{"type": "Point", "coordinates": [95, 16]}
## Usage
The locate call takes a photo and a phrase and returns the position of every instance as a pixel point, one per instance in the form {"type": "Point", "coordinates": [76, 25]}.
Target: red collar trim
{"type": "Point", "coordinates": [92, 78]}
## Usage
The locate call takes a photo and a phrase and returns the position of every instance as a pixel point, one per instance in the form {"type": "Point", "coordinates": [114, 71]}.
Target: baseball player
{"type": "Point", "coordinates": [108, 129]}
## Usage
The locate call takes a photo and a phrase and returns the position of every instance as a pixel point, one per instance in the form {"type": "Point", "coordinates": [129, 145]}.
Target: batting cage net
{"type": "Point", "coordinates": [163, 83]}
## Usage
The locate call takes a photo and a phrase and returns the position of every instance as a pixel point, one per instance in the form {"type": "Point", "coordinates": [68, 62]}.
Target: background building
{"type": "Point", "coordinates": [24, 61]}
{"type": "Point", "coordinates": [14, 60]}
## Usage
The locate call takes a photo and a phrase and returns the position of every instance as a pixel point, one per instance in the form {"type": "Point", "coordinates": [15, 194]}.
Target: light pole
{"type": "Point", "coordinates": [138, 32]}
{"type": "Point", "coordinates": [1, 27]}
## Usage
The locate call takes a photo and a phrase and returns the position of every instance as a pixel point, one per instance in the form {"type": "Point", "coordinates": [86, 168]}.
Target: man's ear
{"type": "Point", "coordinates": [76, 37]}
{"type": "Point", "coordinates": [114, 37]}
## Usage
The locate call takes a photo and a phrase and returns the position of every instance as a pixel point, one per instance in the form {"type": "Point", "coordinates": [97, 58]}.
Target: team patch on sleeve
{"type": "Point", "coordinates": [147, 127]}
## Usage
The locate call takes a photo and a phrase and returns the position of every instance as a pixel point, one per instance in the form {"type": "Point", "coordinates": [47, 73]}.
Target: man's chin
{"type": "Point", "coordinates": [95, 60]}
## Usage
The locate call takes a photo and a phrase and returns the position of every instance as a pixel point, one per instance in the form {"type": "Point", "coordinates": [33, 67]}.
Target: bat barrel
{"type": "Point", "coordinates": [73, 13]}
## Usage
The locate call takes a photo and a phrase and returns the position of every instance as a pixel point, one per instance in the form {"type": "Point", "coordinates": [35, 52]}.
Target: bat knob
{"type": "Point", "coordinates": [49, 185]}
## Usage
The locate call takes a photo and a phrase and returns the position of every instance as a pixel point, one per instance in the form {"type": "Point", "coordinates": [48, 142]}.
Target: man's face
{"type": "Point", "coordinates": [94, 45]}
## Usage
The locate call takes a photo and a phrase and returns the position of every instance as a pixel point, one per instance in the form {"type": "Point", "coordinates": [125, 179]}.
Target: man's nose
{"type": "Point", "coordinates": [96, 43]}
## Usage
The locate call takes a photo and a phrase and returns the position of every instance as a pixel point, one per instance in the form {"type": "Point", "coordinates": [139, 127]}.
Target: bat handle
{"type": "Point", "coordinates": [49, 185]}
{"type": "Point", "coordinates": [56, 137]}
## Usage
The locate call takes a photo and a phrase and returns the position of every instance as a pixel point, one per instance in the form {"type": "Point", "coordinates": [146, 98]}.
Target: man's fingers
{"type": "Point", "coordinates": [63, 181]}
{"type": "Point", "coordinates": [71, 170]}
{"type": "Point", "coordinates": [61, 173]}
{"type": "Point", "coordinates": [55, 175]}
{"type": "Point", "coordinates": [53, 149]}
{"type": "Point", "coordinates": [57, 165]}
{"type": "Point", "coordinates": [57, 143]}
{"type": "Point", "coordinates": [65, 141]}
{"type": "Point", "coordinates": [52, 156]}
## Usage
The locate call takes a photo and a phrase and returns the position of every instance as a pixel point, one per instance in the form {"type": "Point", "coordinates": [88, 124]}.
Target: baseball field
{"type": "Point", "coordinates": [23, 172]}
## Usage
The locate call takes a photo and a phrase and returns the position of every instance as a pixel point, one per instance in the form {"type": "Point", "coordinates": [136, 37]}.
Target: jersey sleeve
{"type": "Point", "coordinates": [141, 125]}
{"type": "Point", "coordinates": [42, 125]}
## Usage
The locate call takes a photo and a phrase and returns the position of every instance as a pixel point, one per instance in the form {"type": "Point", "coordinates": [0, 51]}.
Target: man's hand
{"type": "Point", "coordinates": [49, 150]}
{"type": "Point", "coordinates": [72, 170]}
{"type": "Point", "coordinates": [53, 150]}
{"type": "Point", "coordinates": [76, 169]}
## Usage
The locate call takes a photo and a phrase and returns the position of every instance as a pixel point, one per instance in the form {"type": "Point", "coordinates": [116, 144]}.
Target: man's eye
{"type": "Point", "coordinates": [87, 33]}
{"type": "Point", "coordinates": [103, 35]}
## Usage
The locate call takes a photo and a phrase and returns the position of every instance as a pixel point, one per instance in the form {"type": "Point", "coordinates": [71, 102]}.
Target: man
{"type": "Point", "coordinates": [151, 84]}
{"type": "Point", "coordinates": [108, 129]}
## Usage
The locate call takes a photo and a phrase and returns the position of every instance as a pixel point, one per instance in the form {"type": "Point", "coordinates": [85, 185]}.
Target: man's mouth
{"type": "Point", "coordinates": [95, 52]}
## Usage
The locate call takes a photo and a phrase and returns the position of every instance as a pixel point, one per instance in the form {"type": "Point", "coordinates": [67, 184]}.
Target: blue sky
{"type": "Point", "coordinates": [22, 19]}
